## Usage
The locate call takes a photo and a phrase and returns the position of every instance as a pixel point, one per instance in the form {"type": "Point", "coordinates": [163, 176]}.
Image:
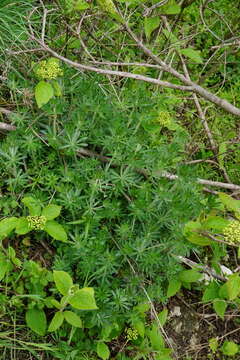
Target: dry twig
{"type": "Point", "coordinates": [5, 126]}
{"type": "Point", "coordinates": [188, 84]}
{"type": "Point", "coordinates": [163, 174]}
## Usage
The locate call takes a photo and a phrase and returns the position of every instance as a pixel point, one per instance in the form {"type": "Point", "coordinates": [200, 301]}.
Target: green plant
{"type": "Point", "coordinates": [38, 219]}
{"type": "Point", "coordinates": [98, 146]}
{"type": "Point", "coordinates": [47, 70]}
{"type": "Point", "coordinates": [218, 229]}
{"type": "Point", "coordinates": [81, 299]}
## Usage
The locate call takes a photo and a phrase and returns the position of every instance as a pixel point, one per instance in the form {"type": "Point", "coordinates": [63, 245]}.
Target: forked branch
{"type": "Point", "coordinates": [188, 84]}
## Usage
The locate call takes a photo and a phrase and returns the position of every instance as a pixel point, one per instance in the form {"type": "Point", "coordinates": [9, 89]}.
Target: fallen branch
{"type": "Point", "coordinates": [188, 84]}
{"type": "Point", "coordinates": [163, 174]}
{"type": "Point", "coordinates": [195, 98]}
{"type": "Point", "coordinates": [7, 127]}
{"type": "Point", "coordinates": [113, 72]}
{"type": "Point", "coordinates": [204, 268]}
{"type": "Point", "coordinates": [148, 11]}
{"type": "Point", "coordinates": [224, 104]}
{"type": "Point", "coordinates": [4, 126]}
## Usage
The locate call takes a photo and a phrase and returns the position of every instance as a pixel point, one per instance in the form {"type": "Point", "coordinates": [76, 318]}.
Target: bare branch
{"type": "Point", "coordinates": [195, 98]}
{"type": "Point", "coordinates": [201, 11]}
{"type": "Point", "coordinates": [235, 42]}
{"type": "Point", "coordinates": [213, 238]}
{"type": "Point", "coordinates": [224, 104]}
{"type": "Point", "coordinates": [163, 174]}
{"type": "Point", "coordinates": [4, 126]}
{"type": "Point", "coordinates": [189, 85]}
{"type": "Point", "coordinates": [202, 181]}
{"type": "Point", "coordinates": [10, 52]}
{"type": "Point", "coordinates": [111, 63]}
{"type": "Point", "coordinates": [204, 268]}
{"type": "Point", "coordinates": [7, 127]}
{"type": "Point", "coordinates": [5, 111]}
{"type": "Point", "coordinates": [148, 11]}
{"type": "Point", "coordinates": [113, 72]}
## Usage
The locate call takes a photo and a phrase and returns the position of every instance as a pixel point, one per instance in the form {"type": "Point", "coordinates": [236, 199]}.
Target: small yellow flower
{"type": "Point", "coordinates": [132, 334]}
{"type": "Point", "coordinates": [36, 222]}
{"type": "Point", "coordinates": [164, 118]}
{"type": "Point", "coordinates": [49, 69]}
{"type": "Point", "coordinates": [232, 232]}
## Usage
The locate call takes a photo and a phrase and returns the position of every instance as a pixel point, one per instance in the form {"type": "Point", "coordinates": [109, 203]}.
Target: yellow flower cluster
{"type": "Point", "coordinates": [232, 232]}
{"type": "Point", "coordinates": [164, 118]}
{"type": "Point", "coordinates": [36, 222]}
{"type": "Point", "coordinates": [132, 334]}
{"type": "Point", "coordinates": [49, 69]}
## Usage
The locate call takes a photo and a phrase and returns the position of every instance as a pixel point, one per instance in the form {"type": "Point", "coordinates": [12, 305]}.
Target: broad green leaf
{"type": "Point", "coordinates": [57, 88]}
{"type": "Point", "coordinates": [73, 319]}
{"type": "Point", "coordinates": [189, 276]}
{"type": "Point", "coordinates": [230, 203]}
{"type": "Point", "coordinates": [172, 38]}
{"type": "Point", "coordinates": [222, 153]}
{"type": "Point", "coordinates": [164, 354]}
{"type": "Point", "coordinates": [173, 287]}
{"type": "Point", "coordinates": [36, 320]}
{"type": "Point", "coordinates": [80, 5]}
{"type": "Point", "coordinates": [199, 239]}
{"type": "Point", "coordinates": [229, 348]}
{"type": "Point", "coordinates": [215, 222]}
{"type": "Point", "coordinates": [22, 226]}
{"type": "Point", "coordinates": [7, 226]}
{"type": "Point", "coordinates": [213, 344]}
{"type": "Point", "coordinates": [223, 292]}
{"type": "Point", "coordinates": [156, 338]}
{"type": "Point", "coordinates": [140, 327]}
{"type": "Point", "coordinates": [106, 331]}
{"type": "Point", "coordinates": [173, 9]}
{"type": "Point", "coordinates": [63, 281]}
{"type": "Point", "coordinates": [211, 292]}
{"type": "Point", "coordinates": [163, 316]}
{"type": "Point", "coordinates": [192, 227]}
{"type": "Point", "coordinates": [220, 307]}
{"type": "Point", "coordinates": [192, 54]}
{"type": "Point", "coordinates": [43, 93]}
{"type": "Point", "coordinates": [103, 350]}
{"type": "Point", "coordinates": [11, 252]}
{"type": "Point", "coordinates": [51, 211]}
{"type": "Point", "coordinates": [109, 7]}
{"type": "Point", "coordinates": [55, 230]}
{"type": "Point", "coordinates": [56, 303]}
{"type": "Point", "coordinates": [151, 24]}
{"type": "Point", "coordinates": [142, 308]}
{"type": "Point", "coordinates": [12, 257]}
{"type": "Point", "coordinates": [233, 286]}
{"type": "Point", "coordinates": [83, 299]}
{"type": "Point", "coordinates": [56, 322]}
{"type": "Point", "coordinates": [5, 266]}
{"type": "Point", "coordinates": [32, 205]}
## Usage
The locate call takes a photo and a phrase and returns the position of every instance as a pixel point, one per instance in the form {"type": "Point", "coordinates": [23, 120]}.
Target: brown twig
{"type": "Point", "coordinates": [5, 126]}
{"type": "Point", "coordinates": [188, 84]}
{"type": "Point", "coordinates": [213, 238]}
{"type": "Point", "coordinates": [112, 63]}
{"type": "Point", "coordinates": [113, 72]}
{"type": "Point", "coordinates": [148, 11]}
{"type": "Point", "coordinates": [224, 104]}
{"type": "Point", "coordinates": [204, 268]}
{"type": "Point", "coordinates": [163, 174]}
{"type": "Point", "coordinates": [195, 98]}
